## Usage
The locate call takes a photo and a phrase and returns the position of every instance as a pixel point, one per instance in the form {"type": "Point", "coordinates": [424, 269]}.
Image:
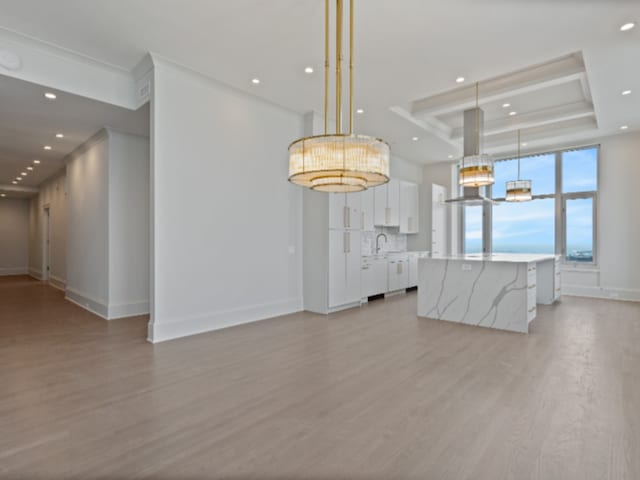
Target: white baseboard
{"type": "Point", "coordinates": [4, 271]}
{"type": "Point", "coordinates": [128, 309]}
{"type": "Point", "coordinates": [88, 303]}
{"type": "Point", "coordinates": [35, 273]}
{"type": "Point", "coordinates": [57, 282]}
{"type": "Point", "coordinates": [630, 295]}
{"type": "Point", "coordinates": [160, 331]}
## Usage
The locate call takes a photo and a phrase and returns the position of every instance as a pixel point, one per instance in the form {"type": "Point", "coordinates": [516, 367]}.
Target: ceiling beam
{"type": "Point", "coordinates": [18, 189]}
{"type": "Point", "coordinates": [548, 116]}
{"type": "Point", "coordinates": [557, 72]}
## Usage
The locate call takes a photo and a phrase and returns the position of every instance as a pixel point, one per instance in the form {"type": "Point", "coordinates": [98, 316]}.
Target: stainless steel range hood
{"type": "Point", "coordinates": [471, 195]}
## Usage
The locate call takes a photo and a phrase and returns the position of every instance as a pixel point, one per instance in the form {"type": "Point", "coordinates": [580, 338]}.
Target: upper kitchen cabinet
{"type": "Point", "coordinates": [409, 207]}
{"type": "Point", "coordinates": [345, 211]}
{"type": "Point", "coordinates": [387, 204]}
{"type": "Point", "coordinates": [367, 209]}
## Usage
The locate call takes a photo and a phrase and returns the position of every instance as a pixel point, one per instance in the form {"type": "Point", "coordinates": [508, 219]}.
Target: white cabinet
{"type": "Point", "coordinates": [344, 267]}
{"type": "Point", "coordinates": [374, 275]}
{"type": "Point", "coordinates": [367, 209]}
{"type": "Point", "coordinates": [344, 211]}
{"type": "Point", "coordinates": [387, 204]}
{"type": "Point", "coordinates": [409, 207]}
{"type": "Point", "coordinates": [398, 272]}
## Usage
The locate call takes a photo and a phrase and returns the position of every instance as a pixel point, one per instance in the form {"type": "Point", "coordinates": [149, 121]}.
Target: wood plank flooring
{"type": "Point", "coordinates": [370, 393]}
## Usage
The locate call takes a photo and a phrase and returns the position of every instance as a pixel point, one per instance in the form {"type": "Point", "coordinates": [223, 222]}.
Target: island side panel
{"type": "Point", "coordinates": [482, 293]}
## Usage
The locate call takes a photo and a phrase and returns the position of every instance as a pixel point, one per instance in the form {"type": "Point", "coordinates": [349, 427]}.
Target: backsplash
{"type": "Point", "coordinates": [396, 242]}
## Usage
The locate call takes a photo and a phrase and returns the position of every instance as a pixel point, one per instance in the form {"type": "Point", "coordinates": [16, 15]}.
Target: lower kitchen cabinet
{"type": "Point", "coordinates": [398, 272]}
{"type": "Point", "coordinates": [413, 269]}
{"type": "Point", "coordinates": [374, 275]}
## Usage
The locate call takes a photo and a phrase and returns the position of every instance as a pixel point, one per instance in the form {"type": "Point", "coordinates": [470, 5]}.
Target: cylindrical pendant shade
{"type": "Point", "coordinates": [518, 191]}
{"type": "Point", "coordinates": [476, 171]}
{"type": "Point", "coordinates": [339, 163]}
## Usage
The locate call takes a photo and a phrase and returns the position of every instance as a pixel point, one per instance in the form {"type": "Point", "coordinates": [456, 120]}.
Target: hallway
{"type": "Point", "coordinates": [366, 393]}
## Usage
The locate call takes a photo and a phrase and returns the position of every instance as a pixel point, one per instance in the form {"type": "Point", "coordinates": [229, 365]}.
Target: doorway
{"type": "Point", "coordinates": [46, 244]}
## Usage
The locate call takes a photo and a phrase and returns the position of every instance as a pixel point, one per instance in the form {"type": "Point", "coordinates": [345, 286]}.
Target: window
{"type": "Point", "coordinates": [527, 227]}
{"type": "Point", "coordinates": [561, 218]}
{"type": "Point", "coordinates": [578, 213]}
{"type": "Point", "coordinates": [473, 229]}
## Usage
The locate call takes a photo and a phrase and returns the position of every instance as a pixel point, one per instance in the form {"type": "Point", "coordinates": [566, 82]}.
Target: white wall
{"type": "Point", "coordinates": [128, 225]}
{"type": "Point", "coordinates": [14, 236]}
{"type": "Point", "coordinates": [53, 194]}
{"type": "Point", "coordinates": [87, 227]}
{"type": "Point", "coordinates": [108, 225]}
{"type": "Point", "coordinates": [226, 222]}
{"type": "Point", "coordinates": [618, 272]}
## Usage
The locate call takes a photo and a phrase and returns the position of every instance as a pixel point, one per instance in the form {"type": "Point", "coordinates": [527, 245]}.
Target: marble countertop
{"type": "Point", "coordinates": [500, 257]}
{"type": "Point", "coordinates": [422, 253]}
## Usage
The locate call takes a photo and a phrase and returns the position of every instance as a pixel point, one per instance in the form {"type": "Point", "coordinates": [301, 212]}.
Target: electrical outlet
{"type": "Point", "coordinates": [466, 267]}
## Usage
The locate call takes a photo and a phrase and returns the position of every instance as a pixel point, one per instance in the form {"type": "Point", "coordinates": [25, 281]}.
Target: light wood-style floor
{"type": "Point", "coordinates": [371, 393]}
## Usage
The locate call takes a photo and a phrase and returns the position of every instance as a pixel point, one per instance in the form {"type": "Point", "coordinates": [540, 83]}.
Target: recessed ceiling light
{"type": "Point", "coordinates": [255, 81]}
{"type": "Point", "coordinates": [512, 113]}
{"type": "Point", "coordinates": [459, 79]}
{"type": "Point", "coordinates": [624, 127]}
{"type": "Point", "coordinates": [24, 174]}
{"type": "Point", "coordinates": [627, 26]}
{"type": "Point", "coordinates": [626, 92]}
{"type": "Point", "coordinates": [415, 139]}
{"type": "Point", "coordinates": [18, 178]}
{"type": "Point", "coordinates": [450, 156]}
{"type": "Point", "coordinates": [14, 182]}
{"type": "Point", "coordinates": [59, 135]}
{"type": "Point", "coordinates": [524, 144]}
{"type": "Point", "coordinates": [360, 110]}
{"type": "Point", "coordinates": [29, 168]}
{"type": "Point", "coordinates": [50, 96]}
{"type": "Point", "coordinates": [308, 70]}
{"type": "Point", "coordinates": [36, 161]}
{"type": "Point", "coordinates": [506, 105]}
{"type": "Point", "coordinates": [3, 194]}
{"type": "Point", "coordinates": [47, 147]}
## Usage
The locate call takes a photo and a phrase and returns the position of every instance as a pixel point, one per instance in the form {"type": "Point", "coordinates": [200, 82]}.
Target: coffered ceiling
{"type": "Point", "coordinates": [562, 64]}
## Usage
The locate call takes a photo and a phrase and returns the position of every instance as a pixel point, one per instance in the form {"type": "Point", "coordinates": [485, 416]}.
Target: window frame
{"type": "Point", "coordinates": [560, 207]}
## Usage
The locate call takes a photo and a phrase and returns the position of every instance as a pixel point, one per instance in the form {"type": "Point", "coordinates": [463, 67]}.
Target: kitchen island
{"type": "Point", "coordinates": [497, 291]}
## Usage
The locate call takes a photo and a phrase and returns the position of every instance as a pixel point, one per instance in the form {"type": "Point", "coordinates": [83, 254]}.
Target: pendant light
{"type": "Point", "coordinates": [476, 170]}
{"type": "Point", "coordinates": [518, 190]}
{"type": "Point", "coordinates": [339, 162]}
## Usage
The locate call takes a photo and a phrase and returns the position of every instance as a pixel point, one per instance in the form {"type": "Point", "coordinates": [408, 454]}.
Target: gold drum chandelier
{"type": "Point", "coordinates": [477, 169]}
{"type": "Point", "coordinates": [339, 162]}
{"type": "Point", "coordinates": [518, 190]}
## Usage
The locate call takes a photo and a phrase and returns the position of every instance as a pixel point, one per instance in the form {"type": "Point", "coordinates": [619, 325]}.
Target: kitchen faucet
{"type": "Point", "coordinates": [377, 239]}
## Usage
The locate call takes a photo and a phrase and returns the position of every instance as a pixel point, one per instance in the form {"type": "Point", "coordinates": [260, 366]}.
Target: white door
{"type": "Point", "coordinates": [46, 247]}
{"type": "Point", "coordinates": [393, 203]}
{"type": "Point", "coordinates": [338, 210]}
{"type": "Point", "coordinates": [337, 267]}
{"type": "Point", "coordinates": [380, 204]}
{"type": "Point", "coordinates": [353, 267]}
{"type": "Point", "coordinates": [438, 220]}
{"type": "Point", "coordinates": [353, 203]}
{"type": "Point", "coordinates": [367, 209]}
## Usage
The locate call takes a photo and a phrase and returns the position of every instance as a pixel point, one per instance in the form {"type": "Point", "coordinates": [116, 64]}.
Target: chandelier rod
{"type": "Point", "coordinates": [326, 67]}
{"type": "Point", "coordinates": [339, 66]}
{"type": "Point", "coordinates": [350, 67]}
{"type": "Point", "coordinates": [518, 155]}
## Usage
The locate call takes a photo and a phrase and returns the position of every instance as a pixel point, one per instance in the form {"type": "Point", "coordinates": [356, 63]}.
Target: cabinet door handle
{"type": "Point", "coordinates": [532, 286]}
{"type": "Point", "coordinates": [345, 216]}
{"type": "Point", "coordinates": [348, 242]}
{"type": "Point", "coordinates": [387, 215]}
{"type": "Point", "coordinates": [532, 309]}
{"type": "Point", "coordinates": [344, 242]}
{"type": "Point", "coordinates": [362, 221]}
{"type": "Point", "coordinates": [399, 268]}
{"type": "Point", "coordinates": [410, 224]}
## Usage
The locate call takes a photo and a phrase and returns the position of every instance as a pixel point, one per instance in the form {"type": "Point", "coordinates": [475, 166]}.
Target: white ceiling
{"type": "Point", "coordinates": [406, 50]}
{"type": "Point", "coordinates": [29, 121]}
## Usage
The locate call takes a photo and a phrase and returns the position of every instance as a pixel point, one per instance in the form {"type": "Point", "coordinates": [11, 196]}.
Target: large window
{"type": "Point", "coordinates": [560, 218]}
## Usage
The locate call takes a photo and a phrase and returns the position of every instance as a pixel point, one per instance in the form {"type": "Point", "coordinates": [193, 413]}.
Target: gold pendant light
{"type": "Point", "coordinates": [518, 190]}
{"type": "Point", "coordinates": [339, 162]}
{"type": "Point", "coordinates": [476, 170]}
